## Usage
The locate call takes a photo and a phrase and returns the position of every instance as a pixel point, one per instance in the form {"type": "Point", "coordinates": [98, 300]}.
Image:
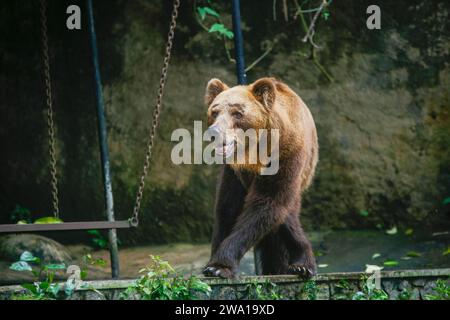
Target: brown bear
{"type": "Point", "coordinates": [262, 210]}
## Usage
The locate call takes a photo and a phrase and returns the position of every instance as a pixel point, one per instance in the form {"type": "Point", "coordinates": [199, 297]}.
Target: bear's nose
{"type": "Point", "coordinates": [213, 132]}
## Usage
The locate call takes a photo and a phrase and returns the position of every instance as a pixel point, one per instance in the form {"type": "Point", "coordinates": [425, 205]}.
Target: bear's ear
{"type": "Point", "coordinates": [213, 88]}
{"type": "Point", "coordinates": [264, 91]}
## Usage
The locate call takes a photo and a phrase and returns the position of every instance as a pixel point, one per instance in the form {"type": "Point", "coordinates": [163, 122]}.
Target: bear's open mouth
{"type": "Point", "coordinates": [225, 150]}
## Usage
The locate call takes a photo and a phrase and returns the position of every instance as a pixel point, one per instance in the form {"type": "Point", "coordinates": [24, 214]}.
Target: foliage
{"type": "Point", "coordinates": [160, 282]}
{"type": "Point", "coordinates": [20, 215]}
{"type": "Point", "coordinates": [45, 220]}
{"type": "Point", "coordinates": [364, 213]}
{"type": "Point", "coordinates": [442, 291]}
{"type": "Point", "coordinates": [98, 239]}
{"type": "Point", "coordinates": [203, 11]}
{"type": "Point", "coordinates": [211, 21]}
{"type": "Point", "coordinates": [390, 263]}
{"type": "Point", "coordinates": [369, 292]}
{"type": "Point", "coordinates": [263, 291]}
{"type": "Point", "coordinates": [310, 289]}
{"type": "Point", "coordinates": [44, 286]}
{"type": "Point", "coordinates": [221, 29]}
{"type": "Point", "coordinates": [46, 289]}
{"type": "Point", "coordinates": [405, 294]}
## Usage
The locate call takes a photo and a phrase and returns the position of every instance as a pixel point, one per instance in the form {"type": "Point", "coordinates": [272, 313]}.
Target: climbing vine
{"type": "Point", "coordinates": [308, 13]}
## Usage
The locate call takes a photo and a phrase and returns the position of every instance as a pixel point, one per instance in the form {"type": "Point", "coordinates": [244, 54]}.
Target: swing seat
{"type": "Point", "coordinates": [66, 226]}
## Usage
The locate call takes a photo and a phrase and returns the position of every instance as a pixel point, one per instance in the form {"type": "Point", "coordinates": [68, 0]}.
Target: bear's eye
{"type": "Point", "coordinates": [237, 115]}
{"type": "Point", "coordinates": [214, 114]}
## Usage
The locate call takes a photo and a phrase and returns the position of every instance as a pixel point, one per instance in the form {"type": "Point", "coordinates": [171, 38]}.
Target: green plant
{"type": "Point", "coordinates": [310, 289]}
{"type": "Point", "coordinates": [369, 292]}
{"type": "Point", "coordinates": [89, 260]}
{"type": "Point", "coordinates": [263, 290]}
{"type": "Point", "coordinates": [20, 215]}
{"type": "Point", "coordinates": [442, 291]}
{"type": "Point", "coordinates": [160, 282]}
{"type": "Point", "coordinates": [405, 294]}
{"type": "Point", "coordinates": [211, 21]}
{"type": "Point", "coordinates": [44, 288]}
{"type": "Point", "coordinates": [98, 240]}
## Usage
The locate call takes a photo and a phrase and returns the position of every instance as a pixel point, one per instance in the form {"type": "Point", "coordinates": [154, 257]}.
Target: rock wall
{"type": "Point", "coordinates": [383, 123]}
{"type": "Point", "coordinates": [407, 285]}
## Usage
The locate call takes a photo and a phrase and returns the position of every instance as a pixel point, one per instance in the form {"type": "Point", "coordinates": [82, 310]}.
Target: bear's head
{"type": "Point", "coordinates": [240, 107]}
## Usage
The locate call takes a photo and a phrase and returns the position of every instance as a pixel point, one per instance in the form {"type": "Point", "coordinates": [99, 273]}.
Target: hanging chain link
{"type": "Point", "coordinates": [157, 110]}
{"type": "Point", "coordinates": [50, 124]}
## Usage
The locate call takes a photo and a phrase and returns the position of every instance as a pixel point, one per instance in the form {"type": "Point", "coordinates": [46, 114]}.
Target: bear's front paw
{"type": "Point", "coordinates": [215, 270]}
{"type": "Point", "coordinates": [302, 269]}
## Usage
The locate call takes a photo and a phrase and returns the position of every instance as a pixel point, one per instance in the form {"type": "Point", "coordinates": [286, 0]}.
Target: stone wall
{"type": "Point", "coordinates": [410, 284]}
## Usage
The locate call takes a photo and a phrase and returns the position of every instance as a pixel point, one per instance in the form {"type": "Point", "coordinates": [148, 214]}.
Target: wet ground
{"type": "Point", "coordinates": [341, 251]}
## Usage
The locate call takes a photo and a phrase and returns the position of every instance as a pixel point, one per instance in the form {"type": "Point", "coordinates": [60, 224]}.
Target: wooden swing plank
{"type": "Point", "coordinates": [65, 226]}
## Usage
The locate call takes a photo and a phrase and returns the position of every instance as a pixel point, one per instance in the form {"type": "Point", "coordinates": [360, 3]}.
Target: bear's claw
{"type": "Point", "coordinates": [301, 270]}
{"type": "Point", "coordinates": [216, 271]}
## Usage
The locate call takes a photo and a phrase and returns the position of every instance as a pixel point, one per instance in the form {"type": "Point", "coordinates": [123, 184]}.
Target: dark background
{"type": "Point", "coordinates": [383, 123]}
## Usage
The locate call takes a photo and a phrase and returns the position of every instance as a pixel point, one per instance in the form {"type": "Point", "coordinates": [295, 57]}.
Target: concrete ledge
{"type": "Point", "coordinates": [415, 283]}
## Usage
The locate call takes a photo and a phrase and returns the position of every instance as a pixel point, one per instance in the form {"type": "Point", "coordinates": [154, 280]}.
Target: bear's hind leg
{"type": "Point", "coordinates": [274, 256]}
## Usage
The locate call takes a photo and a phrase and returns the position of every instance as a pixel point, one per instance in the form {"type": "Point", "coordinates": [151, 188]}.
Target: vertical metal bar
{"type": "Point", "coordinates": [242, 79]}
{"type": "Point", "coordinates": [103, 140]}
{"type": "Point", "coordinates": [238, 44]}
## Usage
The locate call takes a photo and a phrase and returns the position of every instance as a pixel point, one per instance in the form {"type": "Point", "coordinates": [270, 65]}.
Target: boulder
{"type": "Point", "coordinates": [12, 246]}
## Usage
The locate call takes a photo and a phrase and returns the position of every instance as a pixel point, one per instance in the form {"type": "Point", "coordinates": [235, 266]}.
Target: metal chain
{"type": "Point", "coordinates": [50, 124]}
{"type": "Point", "coordinates": [157, 110]}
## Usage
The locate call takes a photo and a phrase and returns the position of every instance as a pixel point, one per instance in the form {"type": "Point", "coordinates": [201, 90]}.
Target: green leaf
{"type": "Point", "coordinates": [211, 12]}
{"type": "Point", "coordinates": [446, 201]}
{"type": "Point", "coordinates": [22, 222]}
{"type": "Point", "coordinates": [60, 266]}
{"type": "Point", "coordinates": [364, 213]}
{"type": "Point", "coordinates": [409, 231]}
{"type": "Point", "coordinates": [221, 29]}
{"type": "Point", "coordinates": [44, 285]}
{"type": "Point", "coordinates": [21, 266]}
{"type": "Point", "coordinates": [54, 289]}
{"type": "Point", "coordinates": [413, 254]}
{"type": "Point", "coordinates": [83, 274]}
{"type": "Point", "coordinates": [391, 263]}
{"type": "Point", "coordinates": [94, 232]}
{"type": "Point", "coordinates": [446, 252]}
{"type": "Point", "coordinates": [30, 286]}
{"type": "Point", "coordinates": [28, 257]}
{"type": "Point", "coordinates": [100, 242]}
{"type": "Point", "coordinates": [325, 15]}
{"type": "Point", "coordinates": [203, 11]}
{"type": "Point", "coordinates": [45, 220]}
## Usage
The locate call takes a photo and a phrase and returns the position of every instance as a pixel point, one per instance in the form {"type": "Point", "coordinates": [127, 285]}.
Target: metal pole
{"type": "Point", "coordinates": [238, 44]}
{"type": "Point", "coordinates": [242, 79]}
{"type": "Point", "coordinates": [104, 153]}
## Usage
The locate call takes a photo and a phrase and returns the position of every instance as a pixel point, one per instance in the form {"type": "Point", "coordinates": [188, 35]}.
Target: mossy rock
{"type": "Point", "coordinates": [48, 250]}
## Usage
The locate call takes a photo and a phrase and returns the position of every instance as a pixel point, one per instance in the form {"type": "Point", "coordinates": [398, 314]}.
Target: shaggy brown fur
{"type": "Point", "coordinates": [262, 210]}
